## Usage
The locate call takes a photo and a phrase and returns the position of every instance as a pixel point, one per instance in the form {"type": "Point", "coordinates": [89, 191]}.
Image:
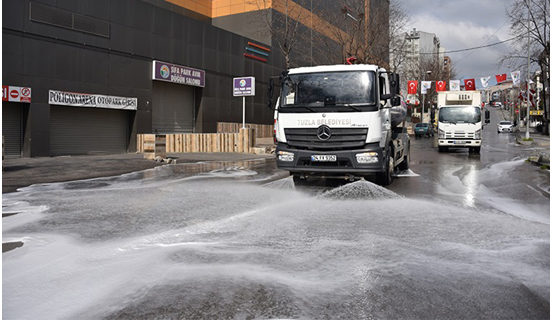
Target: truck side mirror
{"type": "Point", "coordinates": [487, 116]}
{"type": "Point", "coordinates": [270, 89]}
{"type": "Point", "coordinates": [396, 101]}
{"type": "Point", "coordinates": [394, 84]}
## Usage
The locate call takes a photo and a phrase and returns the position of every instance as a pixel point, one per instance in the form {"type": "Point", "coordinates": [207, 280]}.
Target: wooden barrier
{"type": "Point", "coordinates": [151, 145]}
{"type": "Point", "coordinates": [242, 142]}
{"type": "Point", "coordinates": [261, 130]}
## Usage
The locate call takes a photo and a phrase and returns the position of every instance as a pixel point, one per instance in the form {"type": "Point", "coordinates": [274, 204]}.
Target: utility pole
{"type": "Point", "coordinates": [528, 67]}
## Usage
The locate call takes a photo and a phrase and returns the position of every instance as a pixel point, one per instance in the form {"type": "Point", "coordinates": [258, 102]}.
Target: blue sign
{"type": "Point", "coordinates": [244, 87]}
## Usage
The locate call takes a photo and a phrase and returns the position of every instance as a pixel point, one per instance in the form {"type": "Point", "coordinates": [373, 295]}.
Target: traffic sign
{"type": "Point", "coordinates": [16, 94]}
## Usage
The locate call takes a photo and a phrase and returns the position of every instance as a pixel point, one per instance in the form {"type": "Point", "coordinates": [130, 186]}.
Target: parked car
{"type": "Point", "coordinates": [423, 129]}
{"type": "Point", "coordinates": [505, 126]}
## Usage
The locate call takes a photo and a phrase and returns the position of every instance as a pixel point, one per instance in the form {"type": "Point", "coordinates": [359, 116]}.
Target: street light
{"type": "Point", "coordinates": [424, 98]}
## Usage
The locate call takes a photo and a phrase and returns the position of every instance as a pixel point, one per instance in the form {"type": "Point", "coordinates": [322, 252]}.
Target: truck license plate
{"type": "Point", "coordinates": [323, 158]}
{"type": "Point", "coordinates": [460, 142]}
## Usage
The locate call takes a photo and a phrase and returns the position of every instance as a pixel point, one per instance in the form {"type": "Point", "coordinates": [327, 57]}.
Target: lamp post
{"type": "Point", "coordinates": [424, 98]}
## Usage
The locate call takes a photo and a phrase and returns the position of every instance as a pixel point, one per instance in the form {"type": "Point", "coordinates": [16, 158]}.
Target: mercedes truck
{"type": "Point", "coordinates": [340, 121]}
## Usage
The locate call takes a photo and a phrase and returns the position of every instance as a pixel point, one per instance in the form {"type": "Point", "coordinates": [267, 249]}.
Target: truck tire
{"type": "Point", "coordinates": [385, 178]}
{"type": "Point", "coordinates": [443, 149]}
{"type": "Point", "coordinates": [405, 164]}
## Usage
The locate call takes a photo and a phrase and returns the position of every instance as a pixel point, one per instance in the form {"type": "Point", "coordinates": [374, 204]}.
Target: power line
{"type": "Point", "coordinates": [468, 49]}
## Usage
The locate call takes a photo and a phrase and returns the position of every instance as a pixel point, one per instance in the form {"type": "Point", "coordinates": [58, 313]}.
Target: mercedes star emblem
{"type": "Point", "coordinates": [323, 133]}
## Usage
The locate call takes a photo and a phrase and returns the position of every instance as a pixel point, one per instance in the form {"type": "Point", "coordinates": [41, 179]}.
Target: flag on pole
{"type": "Point", "coordinates": [501, 77]}
{"type": "Point", "coordinates": [515, 77]}
{"type": "Point", "coordinates": [413, 85]}
{"type": "Point", "coordinates": [485, 81]}
{"type": "Point", "coordinates": [425, 86]}
{"type": "Point", "coordinates": [454, 85]}
{"type": "Point", "coordinates": [469, 84]}
{"type": "Point", "coordinates": [440, 86]}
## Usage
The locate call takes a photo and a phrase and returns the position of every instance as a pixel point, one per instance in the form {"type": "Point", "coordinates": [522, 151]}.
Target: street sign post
{"type": "Point", "coordinates": [244, 87]}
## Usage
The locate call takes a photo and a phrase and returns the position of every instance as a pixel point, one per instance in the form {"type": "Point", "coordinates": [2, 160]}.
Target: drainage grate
{"type": "Point", "coordinates": [69, 20]}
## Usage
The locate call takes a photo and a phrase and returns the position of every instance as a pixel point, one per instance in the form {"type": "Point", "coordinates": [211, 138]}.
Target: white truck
{"type": "Point", "coordinates": [340, 121]}
{"type": "Point", "coordinates": [459, 123]}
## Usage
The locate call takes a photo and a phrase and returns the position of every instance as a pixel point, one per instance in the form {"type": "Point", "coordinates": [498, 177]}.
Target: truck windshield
{"type": "Point", "coordinates": [331, 89]}
{"type": "Point", "coordinates": [460, 114]}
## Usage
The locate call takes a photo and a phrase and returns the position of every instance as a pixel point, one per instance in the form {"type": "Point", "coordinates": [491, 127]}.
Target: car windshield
{"type": "Point", "coordinates": [318, 90]}
{"type": "Point", "coordinates": [422, 125]}
{"type": "Point", "coordinates": [505, 122]}
{"type": "Point", "coordinates": [460, 114]}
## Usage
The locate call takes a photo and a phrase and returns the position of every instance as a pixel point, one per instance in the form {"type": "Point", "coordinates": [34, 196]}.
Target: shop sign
{"type": "Point", "coordinates": [16, 94]}
{"type": "Point", "coordinates": [165, 71]}
{"type": "Point", "coordinates": [63, 98]}
{"type": "Point", "coordinates": [244, 87]}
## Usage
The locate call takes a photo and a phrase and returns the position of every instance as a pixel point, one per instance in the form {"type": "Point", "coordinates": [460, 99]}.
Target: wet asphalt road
{"type": "Point", "coordinates": [459, 237]}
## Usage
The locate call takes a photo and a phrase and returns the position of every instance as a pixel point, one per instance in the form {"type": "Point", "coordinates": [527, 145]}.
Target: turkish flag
{"type": "Point", "coordinates": [440, 86]}
{"type": "Point", "coordinates": [413, 85]}
{"type": "Point", "coordinates": [470, 84]}
{"type": "Point", "coordinates": [501, 77]}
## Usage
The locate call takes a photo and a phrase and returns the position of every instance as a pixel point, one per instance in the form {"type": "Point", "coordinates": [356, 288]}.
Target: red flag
{"type": "Point", "coordinates": [412, 87]}
{"type": "Point", "coordinates": [441, 86]}
{"type": "Point", "coordinates": [470, 84]}
{"type": "Point", "coordinates": [501, 77]}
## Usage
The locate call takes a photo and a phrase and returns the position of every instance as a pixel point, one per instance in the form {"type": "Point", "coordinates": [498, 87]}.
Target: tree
{"type": "Point", "coordinates": [399, 18]}
{"type": "Point", "coordinates": [530, 17]}
{"type": "Point", "coordinates": [357, 28]}
{"type": "Point", "coordinates": [283, 19]}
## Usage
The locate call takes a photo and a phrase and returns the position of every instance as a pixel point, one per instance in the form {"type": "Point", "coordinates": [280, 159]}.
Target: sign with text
{"type": "Point", "coordinates": [244, 87]}
{"type": "Point", "coordinates": [165, 71]}
{"type": "Point", "coordinates": [63, 98]}
{"type": "Point", "coordinates": [16, 94]}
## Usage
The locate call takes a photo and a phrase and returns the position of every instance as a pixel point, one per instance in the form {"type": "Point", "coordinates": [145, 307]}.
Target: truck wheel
{"type": "Point", "coordinates": [385, 178]}
{"type": "Point", "coordinates": [475, 150]}
{"type": "Point", "coordinates": [443, 149]}
{"type": "Point", "coordinates": [405, 164]}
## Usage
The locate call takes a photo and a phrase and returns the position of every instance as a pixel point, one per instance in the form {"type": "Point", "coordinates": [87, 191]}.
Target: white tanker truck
{"type": "Point", "coordinates": [340, 121]}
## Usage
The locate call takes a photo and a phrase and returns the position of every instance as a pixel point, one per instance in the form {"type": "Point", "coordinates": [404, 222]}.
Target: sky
{"type": "Point", "coordinates": [465, 24]}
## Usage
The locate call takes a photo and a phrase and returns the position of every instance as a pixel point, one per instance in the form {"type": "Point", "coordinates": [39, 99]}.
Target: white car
{"type": "Point", "coordinates": [505, 126]}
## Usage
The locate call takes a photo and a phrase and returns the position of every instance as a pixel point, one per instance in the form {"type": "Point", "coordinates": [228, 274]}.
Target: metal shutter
{"type": "Point", "coordinates": [77, 130]}
{"type": "Point", "coordinates": [11, 129]}
{"type": "Point", "coordinates": [173, 110]}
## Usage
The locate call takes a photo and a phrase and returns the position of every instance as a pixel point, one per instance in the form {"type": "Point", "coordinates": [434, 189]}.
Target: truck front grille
{"type": "Point", "coordinates": [341, 138]}
{"type": "Point", "coordinates": [460, 135]}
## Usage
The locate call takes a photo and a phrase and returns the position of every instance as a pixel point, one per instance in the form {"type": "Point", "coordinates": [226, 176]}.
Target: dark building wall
{"type": "Point", "coordinates": [46, 57]}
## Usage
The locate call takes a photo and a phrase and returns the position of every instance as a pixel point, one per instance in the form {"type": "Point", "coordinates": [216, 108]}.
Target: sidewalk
{"type": "Point", "coordinates": [541, 154]}
{"type": "Point", "coordinates": [541, 143]}
{"type": "Point", "coordinates": [22, 172]}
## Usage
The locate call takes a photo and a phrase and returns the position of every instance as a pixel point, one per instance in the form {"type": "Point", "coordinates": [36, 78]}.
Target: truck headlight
{"type": "Point", "coordinates": [440, 134]}
{"type": "Point", "coordinates": [285, 156]}
{"type": "Point", "coordinates": [477, 134]}
{"type": "Point", "coordinates": [367, 157]}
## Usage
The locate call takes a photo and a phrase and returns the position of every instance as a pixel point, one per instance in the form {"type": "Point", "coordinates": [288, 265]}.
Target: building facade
{"type": "Point", "coordinates": [87, 76]}
{"type": "Point", "coordinates": [422, 48]}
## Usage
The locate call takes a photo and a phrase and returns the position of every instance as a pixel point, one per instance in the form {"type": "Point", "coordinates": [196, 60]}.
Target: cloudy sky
{"type": "Point", "coordinates": [463, 24]}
